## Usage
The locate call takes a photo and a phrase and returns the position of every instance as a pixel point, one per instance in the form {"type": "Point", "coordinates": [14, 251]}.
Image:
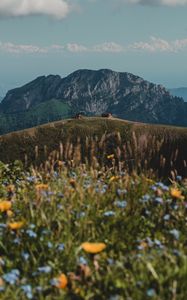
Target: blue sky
{"type": "Point", "coordinates": [144, 37]}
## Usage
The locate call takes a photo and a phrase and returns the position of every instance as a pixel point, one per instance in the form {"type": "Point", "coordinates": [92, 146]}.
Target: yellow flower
{"type": "Point", "coordinates": [113, 178]}
{"type": "Point", "coordinates": [10, 188]}
{"type": "Point", "coordinates": [149, 180]}
{"type": "Point", "coordinates": [93, 248]}
{"type": "Point", "coordinates": [41, 186]}
{"type": "Point", "coordinates": [176, 193]}
{"type": "Point", "coordinates": [9, 213]}
{"type": "Point", "coordinates": [5, 205]}
{"type": "Point", "coordinates": [111, 156]}
{"type": "Point", "coordinates": [16, 225]}
{"type": "Point", "coordinates": [62, 281]}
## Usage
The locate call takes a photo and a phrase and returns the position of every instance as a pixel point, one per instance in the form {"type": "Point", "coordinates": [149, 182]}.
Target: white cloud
{"type": "Point", "coordinates": [155, 2]}
{"type": "Point", "coordinates": [17, 49]}
{"type": "Point", "coordinates": [17, 8]}
{"type": "Point", "coordinates": [29, 49]}
{"type": "Point", "coordinates": [105, 47]}
{"type": "Point", "coordinates": [159, 45]}
{"type": "Point", "coordinates": [153, 45]}
{"type": "Point", "coordinates": [108, 47]}
{"type": "Point", "coordinates": [55, 47]}
{"type": "Point", "coordinates": [76, 48]}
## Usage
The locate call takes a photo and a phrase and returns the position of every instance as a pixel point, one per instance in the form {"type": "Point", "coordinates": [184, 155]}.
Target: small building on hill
{"type": "Point", "coordinates": [106, 115]}
{"type": "Point", "coordinates": [79, 115]}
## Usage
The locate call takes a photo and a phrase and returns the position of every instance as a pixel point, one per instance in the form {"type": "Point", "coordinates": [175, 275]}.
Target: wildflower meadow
{"type": "Point", "coordinates": [91, 233]}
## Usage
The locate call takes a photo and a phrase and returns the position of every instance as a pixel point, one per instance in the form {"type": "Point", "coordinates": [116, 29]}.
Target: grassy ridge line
{"type": "Point", "coordinates": [97, 137]}
{"type": "Point", "coordinates": [14, 145]}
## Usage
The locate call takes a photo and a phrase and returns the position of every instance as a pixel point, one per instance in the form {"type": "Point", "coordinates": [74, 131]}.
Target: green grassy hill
{"type": "Point", "coordinates": [91, 140]}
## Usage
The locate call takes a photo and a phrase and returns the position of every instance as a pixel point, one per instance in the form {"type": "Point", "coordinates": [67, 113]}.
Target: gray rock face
{"type": "Point", "coordinates": [31, 94]}
{"type": "Point", "coordinates": [125, 95]}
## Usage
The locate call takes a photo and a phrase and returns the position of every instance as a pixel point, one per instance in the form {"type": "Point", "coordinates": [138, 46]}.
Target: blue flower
{"type": "Point", "coordinates": [120, 204]}
{"type": "Point", "coordinates": [61, 247]}
{"type": "Point", "coordinates": [158, 243]}
{"type": "Point", "coordinates": [15, 272]}
{"type": "Point", "coordinates": [60, 206]}
{"type": "Point", "coordinates": [151, 293]}
{"type": "Point", "coordinates": [166, 217]}
{"type": "Point", "coordinates": [46, 269]}
{"type": "Point", "coordinates": [49, 245]}
{"type": "Point", "coordinates": [32, 226]}
{"type": "Point", "coordinates": [179, 178]}
{"type": "Point", "coordinates": [175, 206]}
{"type": "Point", "coordinates": [80, 214]}
{"type": "Point", "coordinates": [39, 289]}
{"type": "Point", "coordinates": [12, 276]}
{"type": "Point", "coordinates": [45, 231]}
{"type": "Point", "coordinates": [17, 241]}
{"type": "Point", "coordinates": [54, 282]}
{"type": "Point", "coordinates": [149, 241]}
{"type": "Point", "coordinates": [147, 212]}
{"type": "Point", "coordinates": [27, 289]}
{"type": "Point", "coordinates": [31, 233]}
{"type": "Point", "coordinates": [82, 261]}
{"type": "Point", "coordinates": [145, 198]}
{"type": "Point", "coordinates": [3, 225]}
{"type": "Point", "coordinates": [102, 190]}
{"type": "Point", "coordinates": [110, 261]}
{"type": "Point", "coordinates": [109, 213]}
{"type": "Point", "coordinates": [73, 174]}
{"type": "Point", "coordinates": [158, 200]}
{"type": "Point", "coordinates": [175, 233]}
{"type": "Point", "coordinates": [162, 186]}
{"type": "Point", "coordinates": [153, 188]}
{"type": "Point", "coordinates": [121, 192]}
{"type": "Point", "coordinates": [25, 255]}
{"type": "Point", "coordinates": [56, 174]}
{"type": "Point", "coordinates": [31, 178]}
{"type": "Point", "coordinates": [139, 247]}
{"type": "Point", "coordinates": [114, 297]}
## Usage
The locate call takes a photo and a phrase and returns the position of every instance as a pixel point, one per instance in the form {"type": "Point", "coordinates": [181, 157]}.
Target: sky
{"type": "Point", "coordinates": [144, 37]}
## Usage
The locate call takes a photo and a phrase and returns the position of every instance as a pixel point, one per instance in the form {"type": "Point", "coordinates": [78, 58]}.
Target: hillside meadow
{"type": "Point", "coordinates": [136, 146]}
{"type": "Point", "coordinates": [93, 209]}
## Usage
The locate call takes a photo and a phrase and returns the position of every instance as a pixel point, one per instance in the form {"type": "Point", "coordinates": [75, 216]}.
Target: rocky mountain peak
{"type": "Point", "coordinates": [96, 91]}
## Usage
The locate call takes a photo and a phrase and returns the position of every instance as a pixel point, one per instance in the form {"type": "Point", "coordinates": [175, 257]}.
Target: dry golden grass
{"type": "Point", "coordinates": [136, 146]}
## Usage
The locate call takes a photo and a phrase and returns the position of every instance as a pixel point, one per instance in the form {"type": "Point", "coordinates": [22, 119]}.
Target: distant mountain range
{"type": "Point", "coordinates": [125, 95]}
{"type": "Point", "coordinates": [180, 92]}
